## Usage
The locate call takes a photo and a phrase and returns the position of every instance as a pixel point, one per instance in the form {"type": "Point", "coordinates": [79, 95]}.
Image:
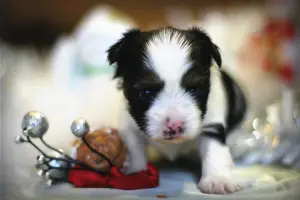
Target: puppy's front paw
{"type": "Point", "coordinates": [131, 167]}
{"type": "Point", "coordinates": [218, 185]}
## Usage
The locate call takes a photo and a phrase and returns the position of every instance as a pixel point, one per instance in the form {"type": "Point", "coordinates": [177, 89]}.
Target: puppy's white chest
{"type": "Point", "coordinates": [173, 151]}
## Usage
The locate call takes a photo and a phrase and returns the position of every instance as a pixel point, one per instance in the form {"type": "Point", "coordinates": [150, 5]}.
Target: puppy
{"type": "Point", "coordinates": [175, 95]}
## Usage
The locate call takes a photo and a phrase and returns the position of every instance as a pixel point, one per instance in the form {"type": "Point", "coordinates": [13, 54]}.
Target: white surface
{"type": "Point", "coordinates": [177, 183]}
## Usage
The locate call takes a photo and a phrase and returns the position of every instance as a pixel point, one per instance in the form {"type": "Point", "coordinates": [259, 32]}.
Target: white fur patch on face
{"type": "Point", "coordinates": [178, 106]}
{"type": "Point", "coordinates": [168, 57]}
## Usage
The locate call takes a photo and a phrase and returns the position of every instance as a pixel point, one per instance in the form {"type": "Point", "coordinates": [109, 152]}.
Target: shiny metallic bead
{"type": "Point", "coordinates": [43, 167]}
{"type": "Point", "coordinates": [19, 139]}
{"type": "Point", "coordinates": [56, 174]}
{"type": "Point", "coordinates": [58, 164]}
{"type": "Point", "coordinates": [60, 155]}
{"type": "Point", "coordinates": [41, 159]}
{"type": "Point", "coordinates": [47, 175]}
{"type": "Point", "coordinates": [80, 128]}
{"type": "Point", "coordinates": [61, 151]}
{"type": "Point", "coordinates": [40, 173]}
{"type": "Point", "coordinates": [34, 124]}
{"type": "Point", "coordinates": [58, 168]}
{"type": "Point", "coordinates": [49, 183]}
{"type": "Point", "coordinates": [59, 171]}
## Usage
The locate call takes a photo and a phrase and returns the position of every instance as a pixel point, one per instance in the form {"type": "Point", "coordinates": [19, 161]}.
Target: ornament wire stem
{"type": "Point", "coordinates": [54, 149]}
{"type": "Point", "coordinates": [86, 166]}
{"type": "Point", "coordinates": [69, 160]}
{"type": "Point", "coordinates": [96, 152]}
{"type": "Point", "coordinates": [36, 147]}
{"type": "Point", "coordinates": [65, 168]}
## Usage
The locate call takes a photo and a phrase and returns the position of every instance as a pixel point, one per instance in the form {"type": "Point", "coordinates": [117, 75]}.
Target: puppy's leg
{"type": "Point", "coordinates": [217, 164]}
{"type": "Point", "coordinates": [136, 159]}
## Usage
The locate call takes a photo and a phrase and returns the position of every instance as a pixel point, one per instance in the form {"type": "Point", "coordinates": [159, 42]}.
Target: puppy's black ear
{"type": "Point", "coordinates": [202, 37]}
{"type": "Point", "coordinates": [216, 55]}
{"type": "Point", "coordinates": [116, 50]}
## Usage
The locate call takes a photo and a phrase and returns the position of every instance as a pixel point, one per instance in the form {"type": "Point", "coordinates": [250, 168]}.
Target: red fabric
{"type": "Point", "coordinates": [286, 73]}
{"type": "Point", "coordinates": [283, 28]}
{"type": "Point", "coordinates": [117, 180]}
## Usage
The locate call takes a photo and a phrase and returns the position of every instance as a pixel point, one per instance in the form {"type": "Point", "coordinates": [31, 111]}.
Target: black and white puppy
{"type": "Point", "coordinates": [175, 95]}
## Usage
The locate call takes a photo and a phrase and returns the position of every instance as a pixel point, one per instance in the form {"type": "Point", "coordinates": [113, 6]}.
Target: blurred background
{"type": "Point", "coordinates": [53, 60]}
{"type": "Point", "coordinates": [22, 19]}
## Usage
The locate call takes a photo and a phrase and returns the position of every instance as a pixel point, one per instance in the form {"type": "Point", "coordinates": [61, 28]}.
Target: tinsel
{"type": "Point", "coordinates": [273, 137]}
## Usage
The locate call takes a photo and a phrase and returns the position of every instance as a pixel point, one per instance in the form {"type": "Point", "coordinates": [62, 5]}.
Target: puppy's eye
{"type": "Point", "coordinates": [146, 93]}
{"type": "Point", "coordinates": [194, 90]}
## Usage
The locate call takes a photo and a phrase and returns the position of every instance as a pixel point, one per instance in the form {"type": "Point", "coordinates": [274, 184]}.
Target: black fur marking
{"type": "Point", "coordinates": [122, 53]}
{"type": "Point", "coordinates": [197, 80]}
{"type": "Point", "coordinates": [128, 54]}
{"type": "Point", "coordinates": [197, 83]}
{"type": "Point", "coordinates": [237, 104]}
{"type": "Point", "coordinates": [140, 102]}
{"type": "Point", "coordinates": [216, 131]}
{"type": "Point", "coordinates": [237, 108]}
{"type": "Point", "coordinates": [207, 48]}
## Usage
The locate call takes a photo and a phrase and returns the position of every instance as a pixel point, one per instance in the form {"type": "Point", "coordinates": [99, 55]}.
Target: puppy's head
{"type": "Point", "coordinates": [165, 76]}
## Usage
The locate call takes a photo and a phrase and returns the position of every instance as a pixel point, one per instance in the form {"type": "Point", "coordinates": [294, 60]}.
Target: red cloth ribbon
{"type": "Point", "coordinates": [283, 28]}
{"type": "Point", "coordinates": [115, 179]}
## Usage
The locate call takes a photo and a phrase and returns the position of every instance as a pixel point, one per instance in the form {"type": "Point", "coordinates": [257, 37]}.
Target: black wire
{"type": "Point", "coordinates": [80, 164]}
{"type": "Point", "coordinates": [97, 152]}
{"type": "Point", "coordinates": [49, 167]}
{"type": "Point", "coordinates": [73, 168]}
{"type": "Point", "coordinates": [54, 149]}
{"type": "Point", "coordinates": [35, 146]}
{"type": "Point", "coordinates": [69, 160]}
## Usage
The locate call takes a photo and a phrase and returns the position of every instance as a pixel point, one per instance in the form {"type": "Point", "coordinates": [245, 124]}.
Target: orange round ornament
{"type": "Point", "coordinates": [106, 141]}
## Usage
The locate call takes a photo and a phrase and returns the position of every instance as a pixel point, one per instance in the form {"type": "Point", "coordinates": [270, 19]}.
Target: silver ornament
{"type": "Point", "coordinates": [49, 183]}
{"type": "Point", "coordinates": [47, 176]}
{"type": "Point", "coordinates": [40, 173]}
{"type": "Point", "coordinates": [58, 163]}
{"type": "Point", "coordinates": [61, 151]}
{"type": "Point", "coordinates": [41, 159]}
{"type": "Point", "coordinates": [34, 124]}
{"type": "Point", "coordinates": [56, 174]}
{"type": "Point", "coordinates": [60, 167]}
{"type": "Point", "coordinates": [43, 167]}
{"type": "Point", "coordinates": [80, 128]}
{"type": "Point", "coordinates": [19, 139]}
{"type": "Point", "coordinates": [60, 154]}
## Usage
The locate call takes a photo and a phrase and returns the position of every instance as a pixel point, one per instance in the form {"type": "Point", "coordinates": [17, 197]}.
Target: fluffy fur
{"type": "Point", "coordinates": [169, 79]}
